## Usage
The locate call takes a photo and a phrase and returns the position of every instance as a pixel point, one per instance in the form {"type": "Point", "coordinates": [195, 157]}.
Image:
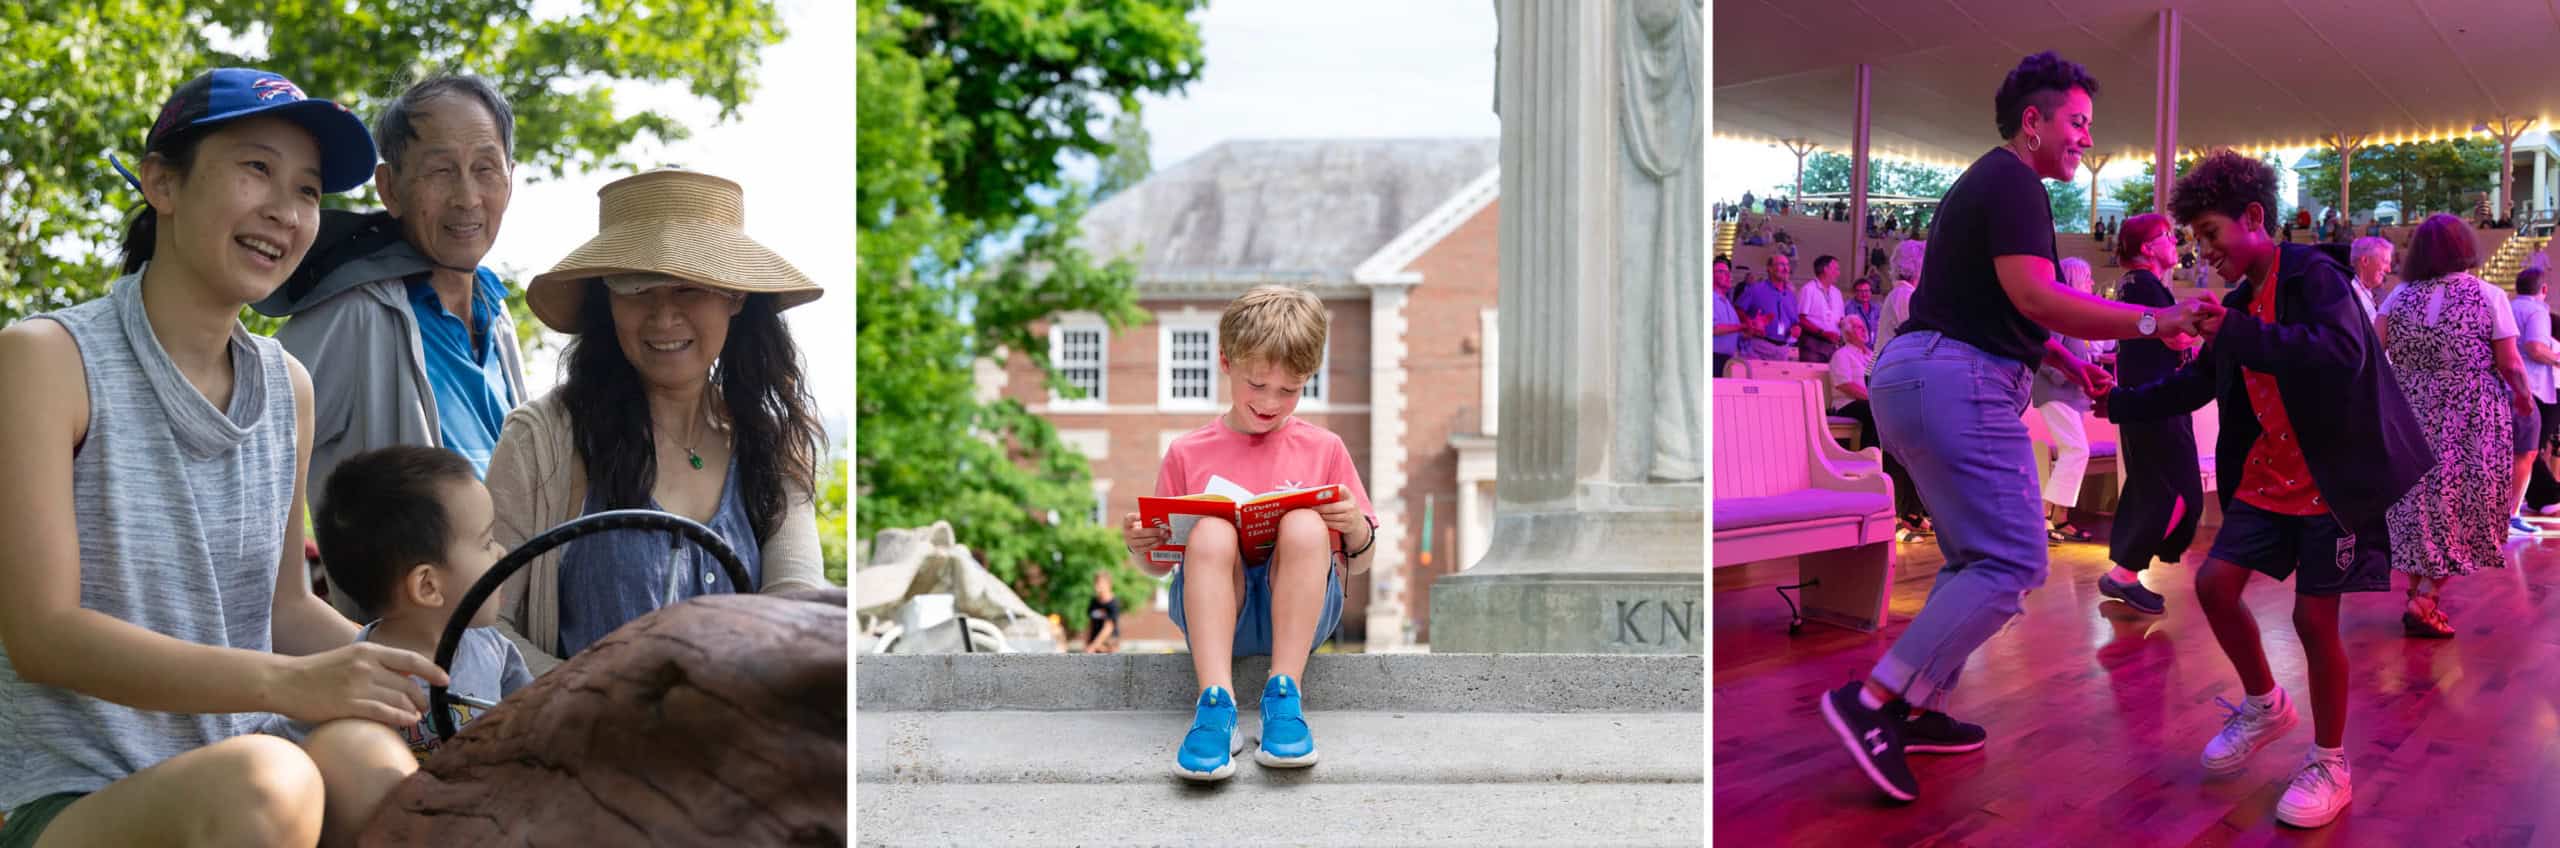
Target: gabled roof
{"type": "Point", "coordinates": [1313, 211]}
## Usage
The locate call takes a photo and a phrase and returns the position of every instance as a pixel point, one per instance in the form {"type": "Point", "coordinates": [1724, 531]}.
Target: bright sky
{"type": "Point", "coordinates": [1756, 167]}
{"type": "Point", "coordinates": [791, 148]}
{"type": "Point", "coordinates": [1333, 69]}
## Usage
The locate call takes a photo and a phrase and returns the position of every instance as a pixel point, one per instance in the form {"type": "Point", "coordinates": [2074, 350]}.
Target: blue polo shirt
{"type": "Point", "coordinates": [472, 392]}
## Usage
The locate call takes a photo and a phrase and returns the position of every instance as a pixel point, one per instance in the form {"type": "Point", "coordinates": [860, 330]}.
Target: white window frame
{"type": "Point", "coordinates": [1318, 389]}
{"type": "Point", "coordinates": [1102, 504]}
{"type": "Point", "coordinates": [1081, 322]}
{"type": "Point", "coordinates": [1166, 326]}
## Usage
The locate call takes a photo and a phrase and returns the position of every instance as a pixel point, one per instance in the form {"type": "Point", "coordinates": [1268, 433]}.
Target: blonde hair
{"type": "Point", "coordinates": [1282, 325]}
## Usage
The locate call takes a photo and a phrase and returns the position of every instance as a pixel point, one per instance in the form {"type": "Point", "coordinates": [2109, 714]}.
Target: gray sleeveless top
{"type": "Point", "coordinates": [181, 514]}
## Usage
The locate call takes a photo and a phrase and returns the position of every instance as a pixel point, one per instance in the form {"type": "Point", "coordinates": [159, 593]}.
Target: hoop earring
{"type": "Point", "coordinates": [2034, 143]}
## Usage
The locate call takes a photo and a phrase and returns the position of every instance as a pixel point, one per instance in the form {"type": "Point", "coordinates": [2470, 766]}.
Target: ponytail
{"type": "Point", "coordinates": [139, 237]}
{"type": "Point", "coordinates": [177, 150]}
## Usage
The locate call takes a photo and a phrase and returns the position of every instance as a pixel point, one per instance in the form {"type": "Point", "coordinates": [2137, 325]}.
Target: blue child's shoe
{"type": "Point", "coordinates": [1208, 750]}
{"type": "Point", "coordinates": [1286, 742]}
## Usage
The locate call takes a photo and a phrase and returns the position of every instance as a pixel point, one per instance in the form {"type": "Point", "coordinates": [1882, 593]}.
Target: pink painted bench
{"type": "Point", "coordinates": [1779, 493]}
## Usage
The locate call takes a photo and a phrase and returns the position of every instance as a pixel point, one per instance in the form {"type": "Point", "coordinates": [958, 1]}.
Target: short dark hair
{"type": "Point", "coordinates": [397, 126]}
{"type": "Point", "coordinates": [2040, 81]}
{"type": "Point", "coordinates": [2442, 245]}
{"type": "Point", "coordinates": [1723, 260]}
{"type": "Point", "coordinates": [1822, 262]}
{"type": "Point", "coordinates": [382, 512]}
{"type": "Point", "coordinates": [2529, 281]}
{"type": "Point", "coordinates": [1774, 258]}
{"type": "Point", "coordinates": [2226, 182]}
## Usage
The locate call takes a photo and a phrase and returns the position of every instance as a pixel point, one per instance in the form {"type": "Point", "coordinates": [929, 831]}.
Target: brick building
{"type": "Point", "coordinates": [1398, 237]}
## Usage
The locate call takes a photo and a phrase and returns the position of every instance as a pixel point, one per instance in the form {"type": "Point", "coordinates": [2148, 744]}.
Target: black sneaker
{"type": "Point", "coordinates": [2133, 594]}
{"type": "Point", "coordinates": [1939, 733]}
{"type": "Point", "coordinates": [1874, 739]}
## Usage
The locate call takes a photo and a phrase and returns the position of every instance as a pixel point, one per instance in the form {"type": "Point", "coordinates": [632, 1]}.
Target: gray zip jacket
{"type": "Point", "coordinates": [355, 334]}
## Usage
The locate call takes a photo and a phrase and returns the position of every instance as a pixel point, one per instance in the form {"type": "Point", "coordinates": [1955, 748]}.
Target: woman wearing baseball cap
{"type": "Point", "coordinates": [155, 611]}
{"type": "Point", "coordinates": [684, 394]}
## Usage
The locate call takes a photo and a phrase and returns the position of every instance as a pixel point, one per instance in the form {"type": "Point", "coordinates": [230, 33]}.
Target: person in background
{"type": "Point", "coordinates": [1769, 314]}
{"type": "Point", "coordinates": [2533, 343]}
{"type": "Point", "coordinates": [2452, 340]}
{"type": "Point", "coordinates": [1864, 304]}
{"type": "Point", "coordinates": [1911, 516]}
{"type": "Point", "coordinates": [1818, 310]}
{"type": "Point", "coordinates": [2163, 499]}
{"type": "Point", "coordinates": [2062, 396]}
{"type": "Point", "coordinates": [1728, 324]}
{"type": "Point", "coordinates": [1102, 618]}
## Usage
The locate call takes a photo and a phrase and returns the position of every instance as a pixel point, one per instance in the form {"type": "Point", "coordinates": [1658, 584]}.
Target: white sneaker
{"type": "Point", "coordinates": [2247, 731]}
{"type": "Point", "coordinates": [2320, 791]}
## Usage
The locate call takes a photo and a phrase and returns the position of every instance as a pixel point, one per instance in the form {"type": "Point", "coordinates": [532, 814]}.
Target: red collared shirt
{"type": "Point", "coordinates": [2276, 478]}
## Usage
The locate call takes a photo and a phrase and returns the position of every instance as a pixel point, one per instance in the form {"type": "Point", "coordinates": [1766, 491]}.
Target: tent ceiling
{"type": "Point", "coordinates": [2255, 73]}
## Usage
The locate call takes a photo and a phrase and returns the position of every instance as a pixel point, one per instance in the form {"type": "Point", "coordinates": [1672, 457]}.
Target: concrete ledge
{"type": "Point", "coordinates": [1444, 683]}
{"type": "Point", "coordinates": [981, 815]}
{"type": "Point", "coordinates": [1408, 749]}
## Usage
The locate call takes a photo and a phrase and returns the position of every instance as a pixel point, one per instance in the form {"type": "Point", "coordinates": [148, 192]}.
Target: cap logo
{"type": "Point", "coordinates": [271, 88]}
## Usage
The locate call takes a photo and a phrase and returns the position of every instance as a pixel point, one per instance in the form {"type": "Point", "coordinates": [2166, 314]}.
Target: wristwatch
{"type": "Point", "coordinates": [2147, 324]}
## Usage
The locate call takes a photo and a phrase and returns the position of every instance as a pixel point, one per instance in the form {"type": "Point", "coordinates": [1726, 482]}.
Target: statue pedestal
{"type": "Point", "coordinates": [1603, 218]}
{"type": "Point", "coordinates": [1615, 571]}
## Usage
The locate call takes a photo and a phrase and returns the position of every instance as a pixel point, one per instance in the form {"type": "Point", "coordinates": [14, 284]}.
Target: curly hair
{"type": "Point", "coordinates": [2040, 81]}
{"type": "Point", "coordinates": [2226, 182]}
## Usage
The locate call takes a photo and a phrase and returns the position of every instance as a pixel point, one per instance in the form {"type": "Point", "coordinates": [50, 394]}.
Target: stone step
{"type": "Point", "coordinates": [1136, 748]}
{"type": "Point", "coordinates": [980, 815]}
{"type": "Point", "coordinates": [1476, 683]}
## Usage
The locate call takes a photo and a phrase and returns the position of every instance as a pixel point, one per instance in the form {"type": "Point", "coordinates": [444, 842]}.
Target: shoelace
{"type": "Point", "coordinates": [2232, 725]}
{"type": "Point", "coordinates": [2317, 771]}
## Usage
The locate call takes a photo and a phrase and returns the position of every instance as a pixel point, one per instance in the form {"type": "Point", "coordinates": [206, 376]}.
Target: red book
{"type": "Point", "coordinates": [1257, 519]}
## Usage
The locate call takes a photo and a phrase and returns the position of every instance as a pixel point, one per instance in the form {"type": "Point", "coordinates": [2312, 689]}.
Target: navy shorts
{"type": "Point", "coordinates": [2323, 559]}
{"type": "Point", "coordinates": [1253, 611]}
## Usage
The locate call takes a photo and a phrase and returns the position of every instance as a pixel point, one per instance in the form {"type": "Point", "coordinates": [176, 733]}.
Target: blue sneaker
{"type": "Point", "coordinates": [1286, 742]}
{"type": "Point", "coordinates": [1208, 751]}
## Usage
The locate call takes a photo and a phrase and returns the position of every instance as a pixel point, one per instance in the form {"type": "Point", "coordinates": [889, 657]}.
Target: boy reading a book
{"type": "Point", "coordinates": [1228, 601]}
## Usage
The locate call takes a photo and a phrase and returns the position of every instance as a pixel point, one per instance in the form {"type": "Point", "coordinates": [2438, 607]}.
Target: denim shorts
{"type": "Point", "coordinates": [2323, 559]}
{"type": "Point", "coordinates": [2528, 429]}
{"type": "Point", "coordinates": [1253, 611]}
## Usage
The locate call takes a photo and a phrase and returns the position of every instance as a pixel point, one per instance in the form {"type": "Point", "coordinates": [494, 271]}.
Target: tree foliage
{"type": "Point", "coordinates": [969, 113]}
{"type": "Point", "coordinates": [2070, 202]}
{"type": "Point", "coordinates": [2421, 176]}
{"type": "Point", "coordinates": [86, 78]}
{"type": "Point", "coordinates": [1825, 171]}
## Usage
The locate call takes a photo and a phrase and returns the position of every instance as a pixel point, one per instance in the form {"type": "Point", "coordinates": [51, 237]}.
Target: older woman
{"type": "Point", "coordinates": [2452, 343]}
{"type": "Point", "coordinates": [684, 394]}
{"type": "Point", "coordinates": [2163, 498]}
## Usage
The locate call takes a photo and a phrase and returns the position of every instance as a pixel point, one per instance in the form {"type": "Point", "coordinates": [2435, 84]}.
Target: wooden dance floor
{"type": "Point", "coordinates": [2097, 715]}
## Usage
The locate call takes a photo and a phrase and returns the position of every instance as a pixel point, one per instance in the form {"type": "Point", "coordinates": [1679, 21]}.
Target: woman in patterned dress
{"type": "Point", "coordinates": [2451, 341]}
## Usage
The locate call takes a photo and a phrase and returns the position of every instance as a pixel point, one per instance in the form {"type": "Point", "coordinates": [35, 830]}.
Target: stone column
{"type": "Point", "coordinates": [2164, 114]}
{"type": "Point", "coordinates": [1598, 523]}
{"type": "Point", "coordinates": [1389, 624]}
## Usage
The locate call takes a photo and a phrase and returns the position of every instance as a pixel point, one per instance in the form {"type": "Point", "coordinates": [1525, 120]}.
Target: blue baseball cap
{"type": "Point", "coordinates": [223, 95]}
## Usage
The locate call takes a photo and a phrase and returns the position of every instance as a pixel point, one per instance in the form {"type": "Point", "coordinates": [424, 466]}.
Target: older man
{"type": "Point", "coordinates": [1818, 310]}
{"type": "Point", "coordinates": [2371, 259]}
{"type": "Point", "coordinates": [406, 336]}
{"type": "Point", "coordinates": [1769, 312]}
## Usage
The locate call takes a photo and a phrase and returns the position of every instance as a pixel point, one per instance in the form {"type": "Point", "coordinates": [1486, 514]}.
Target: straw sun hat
{"type": "Point", "coordinates": [683, 224]}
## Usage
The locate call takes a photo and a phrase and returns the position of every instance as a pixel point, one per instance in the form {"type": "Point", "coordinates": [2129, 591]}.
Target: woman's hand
{"type": "Point", "coordinates": [1139, 538]}
{"type": "Point", "coordinates": [2199, 317]}
{"type": "Point", "coordinates": [2522, 403]}
{"type": "Point", "coordinates": [362, 680]}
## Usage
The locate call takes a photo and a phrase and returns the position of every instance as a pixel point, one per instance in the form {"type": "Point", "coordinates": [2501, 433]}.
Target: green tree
{"type": "Point", "coordinates": [85, 79]}
{"type": "Point", "coordinates": [2070, 205]}
{"type": "Point", "coordinates": [1828, 172]}
{"type": "Point", "coordinates": [2421, 176]}
{"type": "Point", "coordinates": [1127, 163]}
{"type": "Point", "coordinates": [968, 113]}
{"type": "Point", "coordinates": [833, 526]}
{"type": "Point", "coordinates": [2135, 192]}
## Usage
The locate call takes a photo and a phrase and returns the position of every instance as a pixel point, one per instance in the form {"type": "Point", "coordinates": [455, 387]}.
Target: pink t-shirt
{"type": "Point", "coordinates": [1298, 455]}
